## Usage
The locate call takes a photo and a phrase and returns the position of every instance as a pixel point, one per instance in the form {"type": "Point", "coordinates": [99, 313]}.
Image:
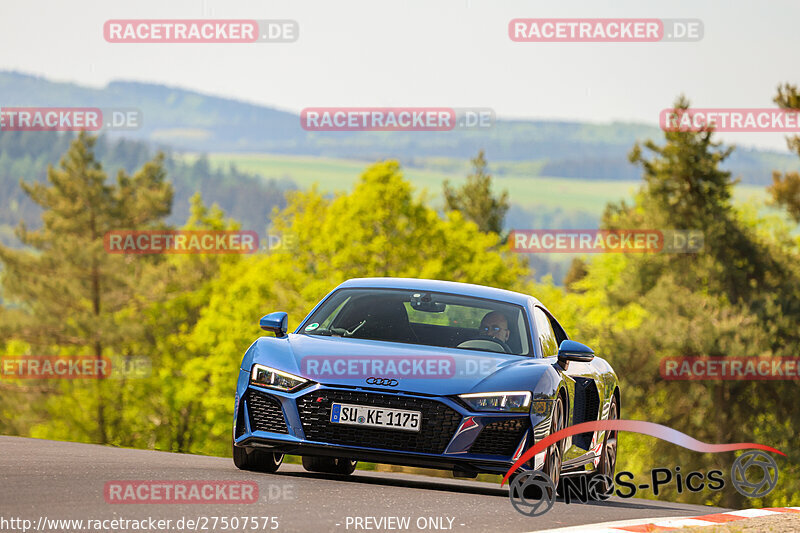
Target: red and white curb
{"type": "Point", "coordinates": [666, 524]}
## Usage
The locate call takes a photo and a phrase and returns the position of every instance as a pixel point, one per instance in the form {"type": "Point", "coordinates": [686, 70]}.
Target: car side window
{"type": "Point", "coordinates": [544, 330]}
{"type": "Point", "coordinates": [561, 335]}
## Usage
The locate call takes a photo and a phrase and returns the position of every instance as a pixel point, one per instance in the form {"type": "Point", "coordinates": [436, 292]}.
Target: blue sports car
{"type": "Point", "coordinates": [422, 373]}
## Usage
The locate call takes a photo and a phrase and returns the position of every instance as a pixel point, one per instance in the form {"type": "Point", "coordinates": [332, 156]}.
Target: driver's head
{"type": "Point", "coordinates": [495, 325]}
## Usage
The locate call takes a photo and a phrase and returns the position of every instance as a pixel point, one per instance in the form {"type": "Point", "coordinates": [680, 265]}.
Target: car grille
{"type": "Point", "coordinates": [439, 422]}
{"type": "Point", "coordinates": [265, 412]}
{"type": "Point", "coordinates": [500, 438]}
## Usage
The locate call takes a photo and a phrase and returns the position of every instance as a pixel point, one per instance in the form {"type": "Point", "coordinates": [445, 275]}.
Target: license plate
{"type": "Point", "coordinates": [378, 417]}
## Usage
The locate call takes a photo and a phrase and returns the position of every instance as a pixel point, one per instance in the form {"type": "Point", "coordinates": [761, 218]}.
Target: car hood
{"type": "Point", "coordinates": [396, 367]}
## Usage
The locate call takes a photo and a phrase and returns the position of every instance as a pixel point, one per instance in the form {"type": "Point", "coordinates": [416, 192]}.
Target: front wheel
{"type": "Point", "coordinates": [601, 482]}
{"type": "Point", "coordinates": [329, 465]}
{"type": "Point", "coordinates": [555, 453]}
{"type": "Point", "coordinates": [256, 460]}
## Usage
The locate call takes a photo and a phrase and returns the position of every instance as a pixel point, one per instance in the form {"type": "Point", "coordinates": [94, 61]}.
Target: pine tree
{"type": "Point", "coordinates": [71, 293]}
{"type": "Point", "coordinates": [577, 271]}
{"type": "Point", "coordinates": [785, 188]}
{"type": "Point", "coordinates": [685, 189]}
{"type": "Point", "coordinates": [475, 199]}
{"type": "Point", "coordinates": [737, 297]}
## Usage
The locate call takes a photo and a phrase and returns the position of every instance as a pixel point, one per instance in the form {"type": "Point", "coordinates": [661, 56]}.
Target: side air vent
{"type": "Point", "coordinates": [587, 406]}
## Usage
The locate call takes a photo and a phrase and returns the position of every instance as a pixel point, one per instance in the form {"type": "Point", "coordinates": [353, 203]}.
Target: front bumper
{"type": "Point", "coordinates": [451, 437]}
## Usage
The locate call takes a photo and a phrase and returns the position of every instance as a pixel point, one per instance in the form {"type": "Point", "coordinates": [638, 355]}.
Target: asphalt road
{"type": "Point", "coordinates": [50, 480]}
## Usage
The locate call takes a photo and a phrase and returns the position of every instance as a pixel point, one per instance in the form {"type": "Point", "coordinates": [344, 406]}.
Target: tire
{"type": "Point", "coordinates": [329, 465]}
{"type": "Point", "coordinates": [555, 453]}
{"type": "Point", "coordinates": [256, 460]}
{"type": "Point", "coordinates": [606, 469]}
{"type": "Point", "coordinates": [552, 459]}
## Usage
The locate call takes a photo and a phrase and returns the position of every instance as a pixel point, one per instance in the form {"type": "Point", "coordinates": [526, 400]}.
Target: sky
{"type": "Point", "coordinates": [453, 53]}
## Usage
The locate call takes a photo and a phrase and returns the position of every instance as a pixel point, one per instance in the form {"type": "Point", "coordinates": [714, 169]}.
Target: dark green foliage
{"type": "Point", "coordinates": [250, 199]}
{"type": "Point", "coordinates": [476, 200]}
{"type": "Point", "coordinates": [739, 296]}
{"type": "Point", "coordinates": [785, 188]}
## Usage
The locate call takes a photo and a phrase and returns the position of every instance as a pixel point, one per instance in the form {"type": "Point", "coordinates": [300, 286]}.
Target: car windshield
{"type": "Point", "coordinates": [419, 317]}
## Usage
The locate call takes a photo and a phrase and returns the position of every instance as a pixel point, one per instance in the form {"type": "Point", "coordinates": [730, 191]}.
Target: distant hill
{"type": "Point", "coordinates": [244, 196]}
{"type": "Point", "coordinates": [191, 121]}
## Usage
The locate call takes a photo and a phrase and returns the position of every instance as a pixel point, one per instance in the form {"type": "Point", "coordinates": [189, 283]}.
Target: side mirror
{"type": "Point", "coordinates": [278, 323]}
{"type": "Point", "coordinates": [574, 351]}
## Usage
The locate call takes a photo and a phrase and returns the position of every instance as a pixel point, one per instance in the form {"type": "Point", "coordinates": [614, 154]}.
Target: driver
{"type": "Point", "coordinates": [495, 324]}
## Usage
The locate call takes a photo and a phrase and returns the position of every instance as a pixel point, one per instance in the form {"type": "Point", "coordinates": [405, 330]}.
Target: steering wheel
{"type": "Point", "coordinates": [502, 344]}
{"type": "Point", "coordinates": [344, 332]}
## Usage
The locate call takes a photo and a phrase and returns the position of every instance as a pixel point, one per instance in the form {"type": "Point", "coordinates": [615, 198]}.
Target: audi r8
{"type": "Point", "coordinates": [422, 373]}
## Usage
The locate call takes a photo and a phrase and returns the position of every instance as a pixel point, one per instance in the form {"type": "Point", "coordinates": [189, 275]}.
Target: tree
{"type": "Point", "coordinates": [69, 290]}
{"type": "Point", "coordinates": [577, 271]}
{"type": "Point", "coordinates": [785, 188]}
{"type": "Point", "coordinates": [186, 283]}
{"type": "Point", "coordinates": [785, 191]}
{"type": "Point", "coordinates": [738, 296]}
{"type": "Point", "coordinates": [475, 199]}
{"type": "Point", "coordinates": [686, 189]}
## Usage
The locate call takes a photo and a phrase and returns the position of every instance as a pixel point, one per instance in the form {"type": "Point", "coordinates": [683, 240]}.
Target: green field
{"type": "Point", "coordinates": [525, 189]}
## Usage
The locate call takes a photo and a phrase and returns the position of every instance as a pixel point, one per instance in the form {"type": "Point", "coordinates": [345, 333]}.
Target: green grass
{"type": "Point", "coordinates": [526, 189]}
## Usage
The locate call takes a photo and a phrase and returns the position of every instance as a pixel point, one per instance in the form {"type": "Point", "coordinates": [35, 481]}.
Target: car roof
{"type": "Point", "coordinates": [451, 287]}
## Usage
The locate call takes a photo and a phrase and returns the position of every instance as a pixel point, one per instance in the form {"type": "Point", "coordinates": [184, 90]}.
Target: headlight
{"type": "Point", "coordinates": [264, 376]}
{"type": "Point", "coordinates": [507, 402]}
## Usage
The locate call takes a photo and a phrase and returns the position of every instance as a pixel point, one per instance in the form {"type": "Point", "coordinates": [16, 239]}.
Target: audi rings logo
{"type": "Point", "coordinates": [385, 382]}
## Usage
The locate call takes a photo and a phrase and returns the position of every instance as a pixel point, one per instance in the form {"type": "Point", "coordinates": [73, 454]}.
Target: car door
{"type": "Point", "coordinates": [589, 387]}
